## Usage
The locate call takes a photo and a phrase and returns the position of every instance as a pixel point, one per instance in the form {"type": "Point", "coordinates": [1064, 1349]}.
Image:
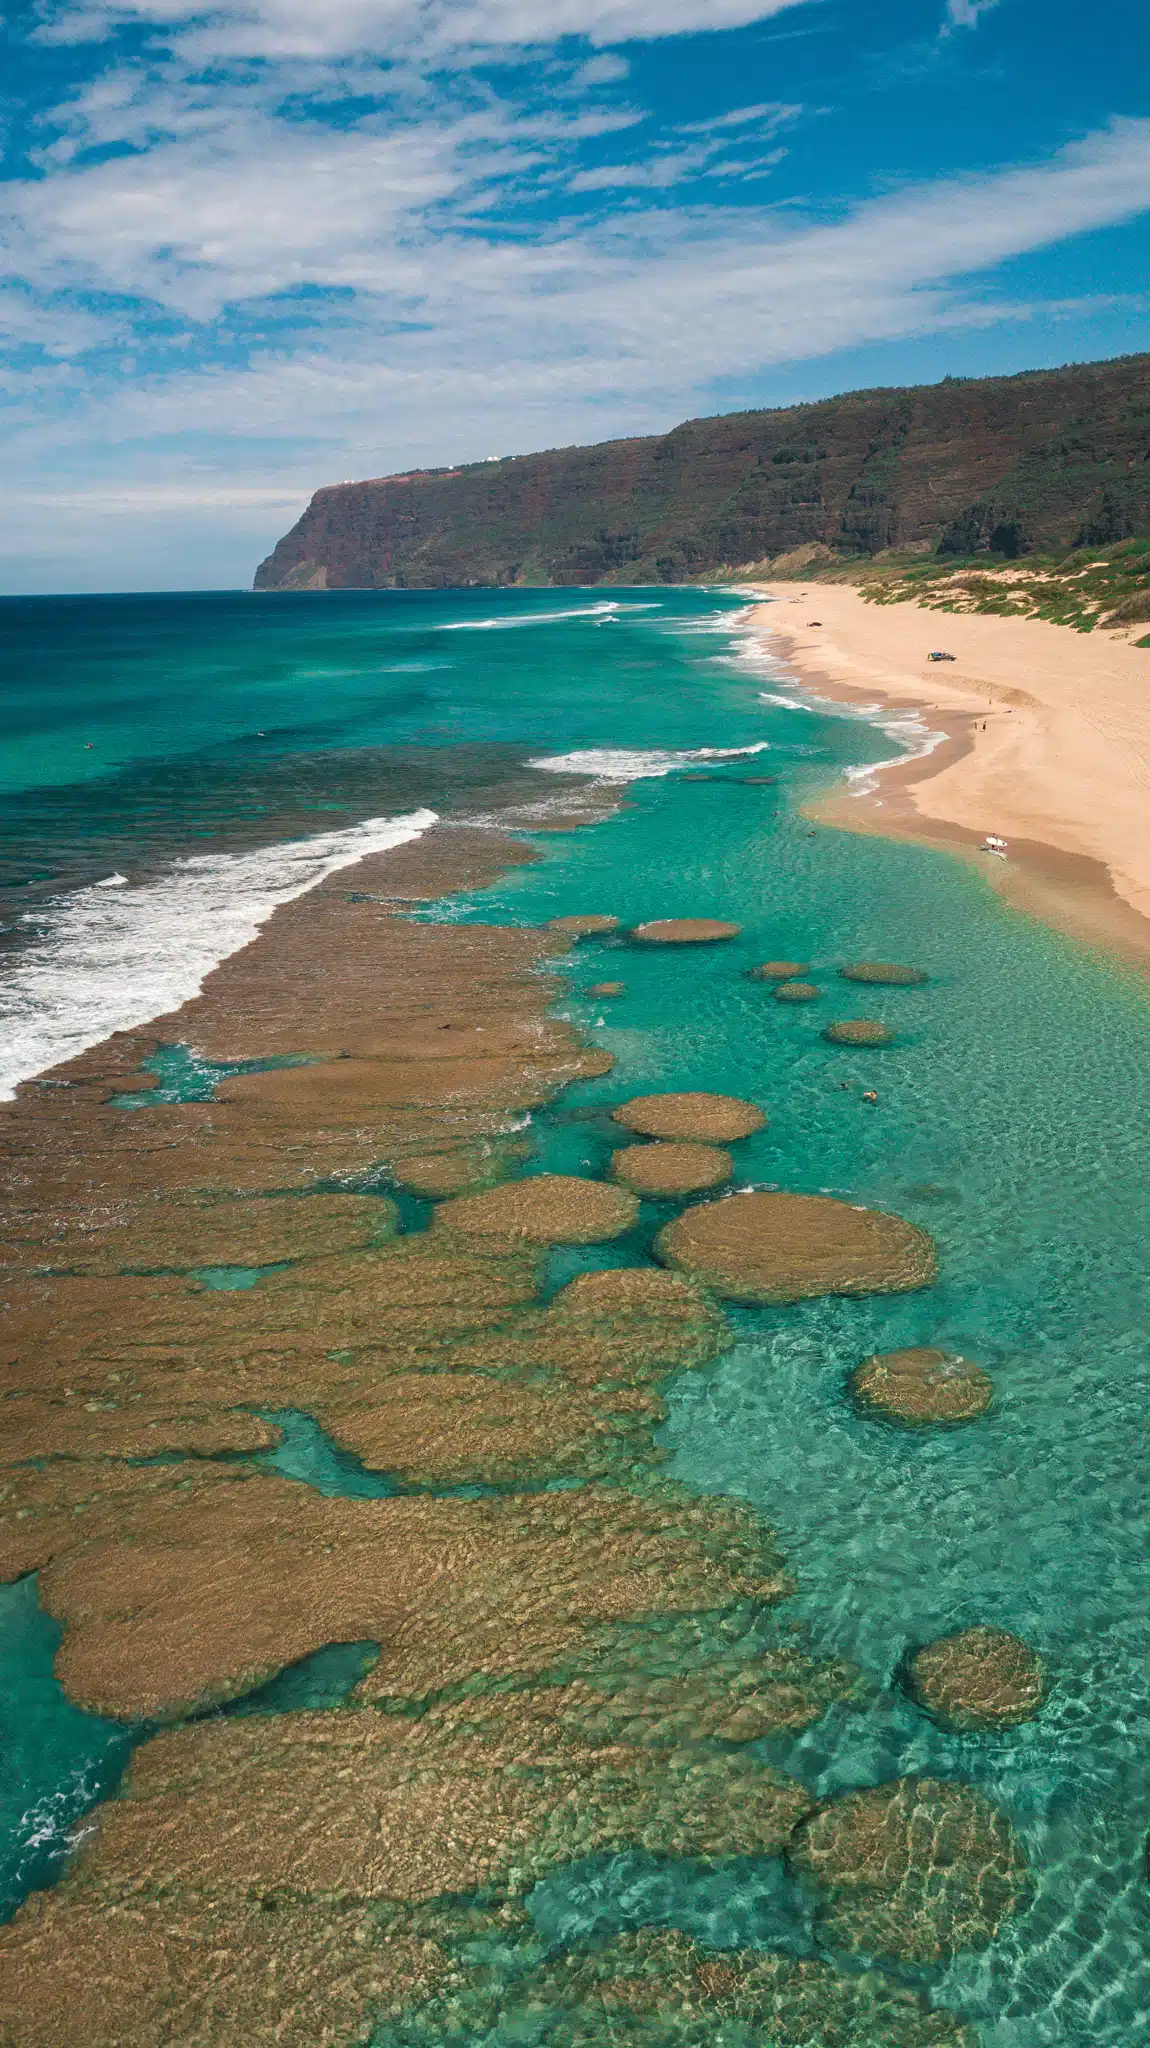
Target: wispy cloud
{"type": "Point", "coordinates": [303, 28]}
{"type": "Point", "coordinates": [967, 13]}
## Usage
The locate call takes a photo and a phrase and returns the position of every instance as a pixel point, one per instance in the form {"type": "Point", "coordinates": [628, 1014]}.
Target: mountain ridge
{"type": "Point", "coordinates": [997, 466]}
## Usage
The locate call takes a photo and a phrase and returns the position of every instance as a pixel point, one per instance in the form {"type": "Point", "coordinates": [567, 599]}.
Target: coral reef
{"type": "Point", "coordinates": [707, 1119]}
{"type": "Point", "coordinates": [796, 992]}
{"type": "Point", "coordinates": [883, 974]}
{"type": "Point", "coordinates": [982, 1678]}
{"type": "Point", "coordinates": [921, 1386]}
{"type": "Point", "coordinates": [590, 926]}
{"type": "Point", "coordinates": [550, 1208]}
{"type": "Point", "coordinates": [778, 970]}
{"type": "Point", "coordinates": [779, 1248]}
{"type": "Point", "coordinates": [915, 1870]}
{"type": "Point", "coordinates": [670, 1169]}
{"type": "Point", "coordinates": [859, 1031]}
{"type": "Point", "coordinates": [685, 931]}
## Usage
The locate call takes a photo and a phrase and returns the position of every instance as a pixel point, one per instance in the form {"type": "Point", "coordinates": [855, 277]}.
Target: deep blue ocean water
{"type": "Point", "coordinates": [179, 743]}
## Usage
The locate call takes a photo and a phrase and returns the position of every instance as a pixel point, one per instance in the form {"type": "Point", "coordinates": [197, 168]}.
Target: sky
{"type": "Point", "coordinates": [252, 247]}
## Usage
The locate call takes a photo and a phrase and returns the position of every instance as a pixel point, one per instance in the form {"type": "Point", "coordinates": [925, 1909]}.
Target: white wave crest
{"type": "Point", "coordinates": [107, 960]}
{"type": "Point", "coordinates": [635, 764]}
{"type": "Point", "coordinates": [915, 738]}
{"type": "Point", "coordinates": [608, 609]}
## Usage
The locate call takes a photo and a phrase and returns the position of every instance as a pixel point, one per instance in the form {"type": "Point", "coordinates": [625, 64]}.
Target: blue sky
{"type": "Point", "coordinates": [260, 245]}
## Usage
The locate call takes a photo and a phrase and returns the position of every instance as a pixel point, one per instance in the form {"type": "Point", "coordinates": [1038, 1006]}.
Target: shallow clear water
{"type": "Point", "coordinates": [1011, 1122]}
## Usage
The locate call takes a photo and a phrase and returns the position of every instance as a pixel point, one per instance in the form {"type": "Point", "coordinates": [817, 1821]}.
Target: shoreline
{"type": "Point", "coordinates": [1065, 783]}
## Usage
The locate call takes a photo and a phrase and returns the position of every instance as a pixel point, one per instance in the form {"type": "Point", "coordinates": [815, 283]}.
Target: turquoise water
{"type": "Point", "coordinates": [1010, 1122]}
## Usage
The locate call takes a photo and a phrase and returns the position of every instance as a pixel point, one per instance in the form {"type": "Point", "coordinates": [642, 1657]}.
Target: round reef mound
{"type": "Point", "coordinates": [588, 927]}
{"type": "Point", "coordinates": [708, 1119]}
{"type": "Point", "coordinates": [778, 970]}
{"type": "Point", "coordinates": [685, 931]}
{"type": "Point", "coordinates": [981, 1678]}
{"type": "Point", "coordinates": [766, 1248]}
{"type": "Point", "coordinates": [796, 992]}
{"type": "Point", "coordinates": [921, 1386]}
{"type": "Point", "coordinates": [550, 1208]}
{"type": "Point", "coordinates": [858, 1031]}
{"type": "Point", "coordinates": [670, 1170]}
{"type": "Point", "coordinates": [917, 1870]}
{"type": "Point", "coordinates": [608, 988]}
{"type": "Point", "coordinates": [883, 974]}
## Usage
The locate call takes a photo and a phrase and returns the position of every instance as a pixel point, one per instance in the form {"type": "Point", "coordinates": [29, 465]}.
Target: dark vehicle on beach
{"type": "Point", "coordinates": [942, 657]}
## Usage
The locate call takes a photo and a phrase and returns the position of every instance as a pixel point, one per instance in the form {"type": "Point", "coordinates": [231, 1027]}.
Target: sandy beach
{"type": "Point", "coordinates": [1047, 743]}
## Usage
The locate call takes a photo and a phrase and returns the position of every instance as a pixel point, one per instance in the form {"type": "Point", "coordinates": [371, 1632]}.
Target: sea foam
{"type": "Point", "coordinates": [103, 960]}
{"type": "Point", "coordinates": [610, 608]}
{"type": "Point", "coordinates": [633, 764]}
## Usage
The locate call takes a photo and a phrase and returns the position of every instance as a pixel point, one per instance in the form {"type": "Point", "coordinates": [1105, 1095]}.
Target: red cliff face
{"type": "Point", "coordinates": [1005, 464]}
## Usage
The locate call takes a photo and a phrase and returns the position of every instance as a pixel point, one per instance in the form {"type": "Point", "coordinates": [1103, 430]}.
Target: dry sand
{"type": "Point", "coordinates": [1046, 742]}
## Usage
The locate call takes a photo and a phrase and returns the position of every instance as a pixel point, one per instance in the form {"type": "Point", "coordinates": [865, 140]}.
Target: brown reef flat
{"type": "Point", "coordinates": [703, 1119]}
{"type": "Point", "coordinates": [982, 1678]}
{"type": "Point", "coordinates": [685, 931]}
{"type": "Point", "coordinates": [560, 1671]}
{"type": "Point", "coordinates": [671, 1169]}
{"type": "Point", "coordinates": [781, 1248]}
{"type": "Point", "coordinates": [917, 1869]}
{"type": "Point", "coordinates": [921, 1386]}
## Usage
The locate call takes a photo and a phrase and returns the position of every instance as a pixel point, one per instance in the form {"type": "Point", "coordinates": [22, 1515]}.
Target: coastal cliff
{"type": "Point", "coordinates": [1002, 466]}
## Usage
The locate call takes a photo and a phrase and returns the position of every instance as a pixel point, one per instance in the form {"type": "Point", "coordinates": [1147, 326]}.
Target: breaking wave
{"type": "Point", "coordinates": [609, 609]}
{"type": "Point", "coordinates": [631, 764]}
{"type": "Point", "coordinates": [105, 959]}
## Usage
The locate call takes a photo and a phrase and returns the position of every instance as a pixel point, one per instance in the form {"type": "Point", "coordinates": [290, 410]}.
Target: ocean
{"type": "Point", "coordinates": [174, 767]}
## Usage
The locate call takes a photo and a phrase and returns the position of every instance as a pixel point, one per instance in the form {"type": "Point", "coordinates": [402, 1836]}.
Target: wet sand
{"type": "Point", "coordinates": [1045, 741]}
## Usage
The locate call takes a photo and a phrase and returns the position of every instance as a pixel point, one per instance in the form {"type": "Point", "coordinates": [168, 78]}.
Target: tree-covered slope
{"type": "Point", "coordinates": [1004, 465]}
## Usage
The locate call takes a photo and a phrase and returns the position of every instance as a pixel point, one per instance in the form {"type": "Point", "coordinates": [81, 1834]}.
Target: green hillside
{"type": "Point", "coordinates": [997, 467]}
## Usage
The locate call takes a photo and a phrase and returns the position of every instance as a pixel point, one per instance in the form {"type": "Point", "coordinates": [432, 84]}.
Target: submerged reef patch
{"type": "Point", "coordinates": [859, 1031]}
{"type": "Point", "coordinates": [884, 974]}
{"type": "Point", "coordinates": [670, 1169]}
{"type": "Point", "coordinates": [707, 1119]}
{"type": "Point", "coordinates": [982, 1678]}
{"type": "Point", "coordinates": [921, 1386]}
{"type": "Point", "coordinates": [778, 970]}
{"type": "Point", "coordinates": [593, 925]}
{"type": "Point", "coordinates": [654, 1989]}
{"type": "Point", "coordinates": [575, 1657]}
{"type": "Point", "coordinates": [915, 1870]}
{"type": "Point", "coordinates": [769, 1248]}
{"type": "Point", "coordinates": [796, 992]}
{"type": "Point", "coordinates": [550, 1208]}
{"type": "Point", "coordinates": [685, 931]}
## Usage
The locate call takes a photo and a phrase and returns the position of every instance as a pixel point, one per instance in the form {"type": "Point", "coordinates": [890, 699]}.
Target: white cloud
{"type": "Point", "coordinates": [967, 13]}
{"type": "Point", "coordinates": [324, 28]}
